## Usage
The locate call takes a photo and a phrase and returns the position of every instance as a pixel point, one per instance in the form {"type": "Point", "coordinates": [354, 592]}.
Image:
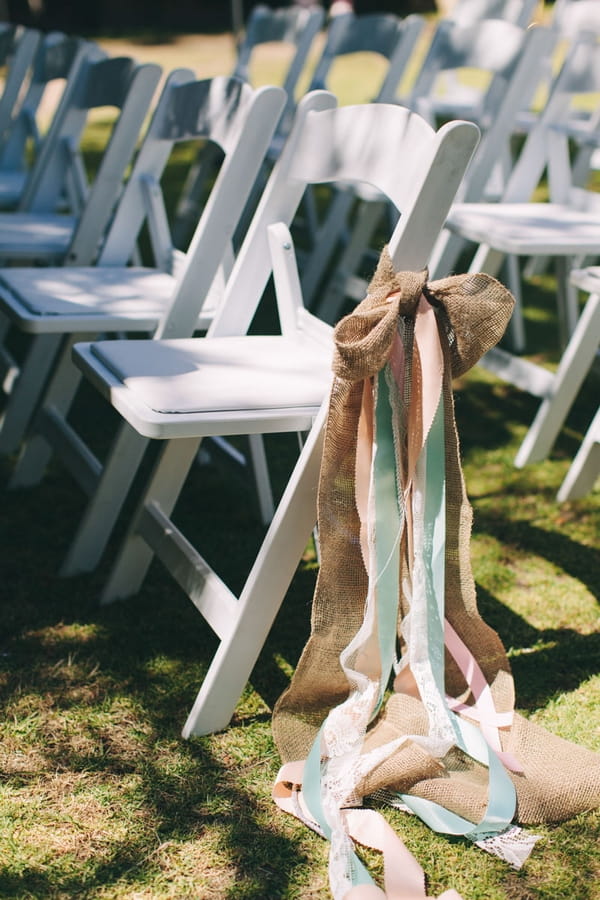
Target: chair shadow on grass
{"type": "Point", "coordinates": [74, 654]}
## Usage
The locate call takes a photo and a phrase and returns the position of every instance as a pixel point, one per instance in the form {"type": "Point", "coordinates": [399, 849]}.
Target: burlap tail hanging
{"type": "Point", "coordinates": [395, 595]}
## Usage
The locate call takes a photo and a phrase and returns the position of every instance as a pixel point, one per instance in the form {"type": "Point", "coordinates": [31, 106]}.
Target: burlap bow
{"type": "Point", "coordinates": [558, 779]}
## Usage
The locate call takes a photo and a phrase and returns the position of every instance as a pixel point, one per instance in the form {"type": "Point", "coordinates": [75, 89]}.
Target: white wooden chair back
{"type": "Point", "coordinates": [383, 34]}
{"type": "Point", "coordinates": [119, 83]}
{"type": "Point", "coordinates": [56, 60]}
{"type": "Point", "coordinates": [295, 25]}
{"type": "Point", "coordinates": [492, 47]}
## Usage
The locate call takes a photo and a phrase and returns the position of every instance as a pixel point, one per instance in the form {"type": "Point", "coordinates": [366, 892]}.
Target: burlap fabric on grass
{"type": "Point", "coordinates": [559, 779]}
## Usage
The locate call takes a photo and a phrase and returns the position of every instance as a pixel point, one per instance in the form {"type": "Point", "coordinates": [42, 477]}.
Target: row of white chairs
{"type": "Point", "coordinates": [181, 385]}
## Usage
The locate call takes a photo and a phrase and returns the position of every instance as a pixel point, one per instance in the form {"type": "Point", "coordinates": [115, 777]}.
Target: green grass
{"type": "Point", "coordinates": [100, 797]}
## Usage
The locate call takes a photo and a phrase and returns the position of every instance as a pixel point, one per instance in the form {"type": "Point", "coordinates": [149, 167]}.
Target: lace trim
{"type": "Point", "coordinates": [513, 845]}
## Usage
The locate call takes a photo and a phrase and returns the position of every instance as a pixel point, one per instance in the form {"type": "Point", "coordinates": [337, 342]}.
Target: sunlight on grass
{"type": "Point", "coordinates": [573, 715]}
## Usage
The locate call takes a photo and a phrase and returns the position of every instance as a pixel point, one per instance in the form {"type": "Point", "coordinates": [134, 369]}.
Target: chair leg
{"type": "Point", "coordinates": [37, 450]}
{"type": "Point", "coordinates": [516, 326]}
{"type": "Point", "coordinates": [263, 593]}
{"type": "Point", "coordinates": [27, 390]}
{"type": "Point", "coordinates": [261, 477]}
{"type": "Point", "coordinates": [575, 363]}
{"type": "Point", "coordinates": [585, 468]}
{"type": "Point", "coordinates": [106, 502]}
{"type": "Point", "coordinates": [568, 308]}
{"type": "Point", "coordinates": [162, 490]}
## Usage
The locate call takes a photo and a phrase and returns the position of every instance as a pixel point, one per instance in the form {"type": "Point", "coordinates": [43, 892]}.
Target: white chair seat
{"type": "Point", "coordinates": [178, 388]}
{"type": "Point", "coordinates": [547, 229]}
{"type": "Point", "coordinates": [31, 235]}
{"type": "Point", "coordinates": [112, 298]}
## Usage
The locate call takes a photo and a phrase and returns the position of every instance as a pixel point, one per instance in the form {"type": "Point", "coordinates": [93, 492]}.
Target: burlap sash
{"type": "Point", "coordinates": [557, 779]}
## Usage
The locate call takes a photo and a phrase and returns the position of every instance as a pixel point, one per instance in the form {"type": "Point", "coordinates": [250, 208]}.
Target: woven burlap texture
{"type": "Point", "coordinates": [560, 778]}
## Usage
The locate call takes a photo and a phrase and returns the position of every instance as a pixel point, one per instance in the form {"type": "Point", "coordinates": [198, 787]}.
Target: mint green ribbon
{"type": "Point", "coordinates": [389, 517]}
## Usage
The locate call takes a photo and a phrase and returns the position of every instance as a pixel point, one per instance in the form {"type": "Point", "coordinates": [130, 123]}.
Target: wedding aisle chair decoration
{"type": "Point", "coordinates": [403, 695]}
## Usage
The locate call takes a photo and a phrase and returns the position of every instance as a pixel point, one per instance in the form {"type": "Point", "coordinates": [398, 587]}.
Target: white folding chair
{"type": "Point", "coordinates": [293, 27]}
{"type": "Point", "coordinates": [566, 228]}
{"type": "Point", "coordinates": [55, 64]}
{"type": "Point", "coordinates": [569, 20]}
{"type": "Point", "coordinates": [490, 48]}
{"type": "Point", "coordinates": [175, 297]}
{"type": "Point", "coordinates": [512, 76]}
{"type": "Point", "coordinates": [39, 231]}
{"type": "Point", "coordinates": [234, 383]}
{"type": "Point", "coordinates": [389, 37]}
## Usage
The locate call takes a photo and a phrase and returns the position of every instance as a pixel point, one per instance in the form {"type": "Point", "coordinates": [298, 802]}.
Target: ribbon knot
{"type": "Point", "coordinates": [364, 339]}
{"type": "Point", "coordinates": [472, 310]}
